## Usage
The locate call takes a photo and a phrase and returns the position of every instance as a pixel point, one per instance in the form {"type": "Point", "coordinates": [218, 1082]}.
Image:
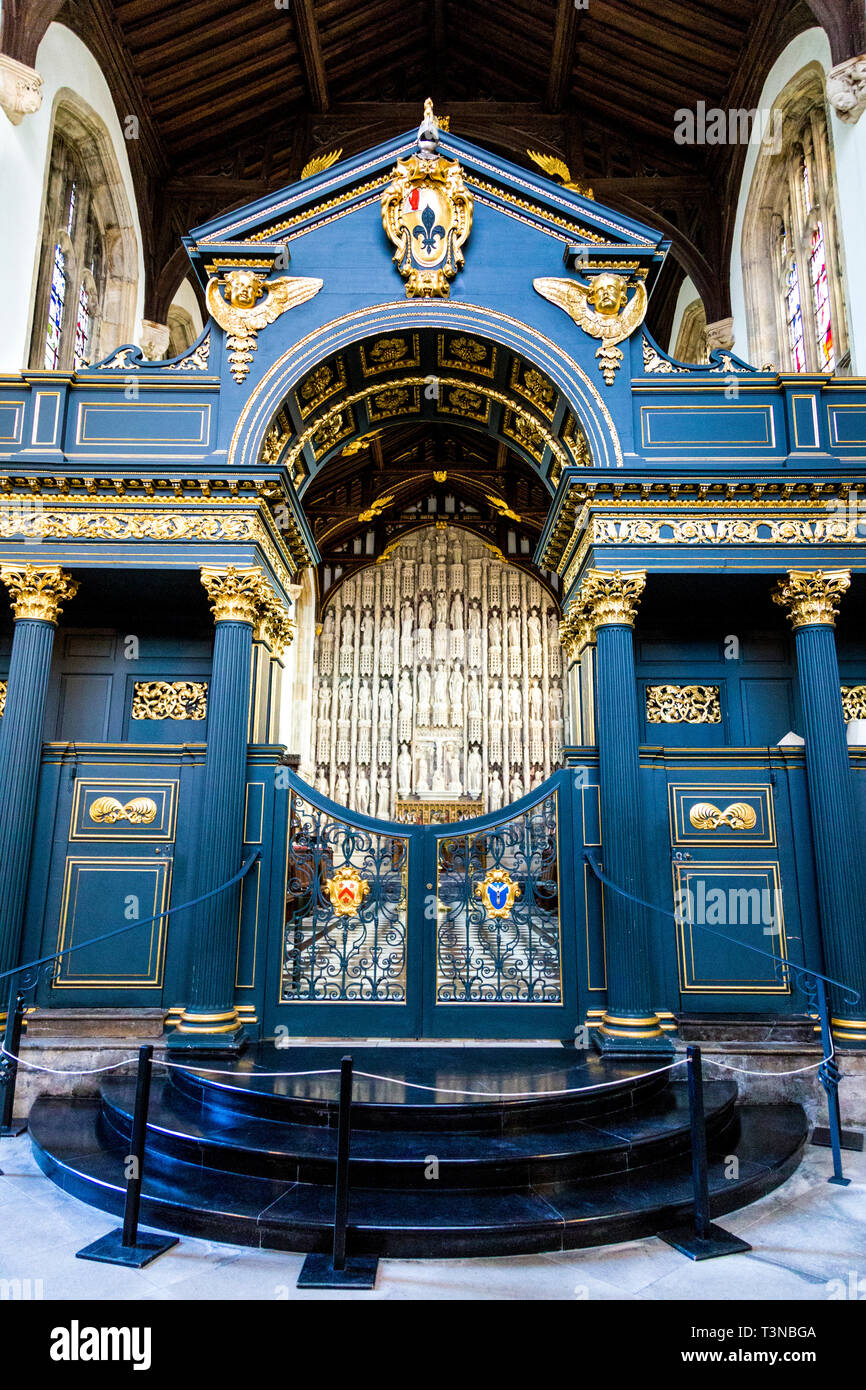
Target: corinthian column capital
{"type": "Point", "coordinates": [811, 597]}
{"type": "Point", "coordinates": [608, 597]}
{"type": "Point", "coordinates": [575, 632]}
{"type": "Point", "coordinates": [237, 595]}
{"type": "Point", "coordinates": [38, 594]}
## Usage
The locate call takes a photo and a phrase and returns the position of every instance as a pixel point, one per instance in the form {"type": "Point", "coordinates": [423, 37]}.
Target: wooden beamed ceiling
{"type": "Point", "coordinates": [233, 99]}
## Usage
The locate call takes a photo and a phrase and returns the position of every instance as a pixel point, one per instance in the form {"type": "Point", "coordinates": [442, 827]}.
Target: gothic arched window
{"type": "Point", "coordinates": [792, 266]}
{"type": "Point", "coordinates": [86, 285]}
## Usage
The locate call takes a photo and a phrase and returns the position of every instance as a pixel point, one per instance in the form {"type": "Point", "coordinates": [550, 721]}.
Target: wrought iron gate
{"type": "Point", "coordinates": [462, 930]}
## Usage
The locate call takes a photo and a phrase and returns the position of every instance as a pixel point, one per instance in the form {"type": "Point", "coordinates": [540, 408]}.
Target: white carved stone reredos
{"type": "Point", "coordinates": [439, 676]}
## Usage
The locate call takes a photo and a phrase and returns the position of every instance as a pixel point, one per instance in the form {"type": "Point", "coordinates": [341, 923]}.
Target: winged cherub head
{"type": "Point", "coordinates": [244, 288]}
{"type": "Point", "coordinates": [608, 293]}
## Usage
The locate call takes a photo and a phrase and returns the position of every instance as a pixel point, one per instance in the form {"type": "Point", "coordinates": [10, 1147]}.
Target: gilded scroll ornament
{"type": "Point", "coordinates": [556, 168]}
{"type": "Point", "coordinates": [237, 309]}
{"type": "Point", "coordinates": [38, 594]}
{"type": "Point", "coordinates": [739, 816]}
{"type": "Point", "coordinates": [602, 309]}
{"type": "Point", "coordinates": [346, 891]}
{"type": "Point", "coordinates": [683, 704]}
{"type": "Point", "coordinates": [169, 700]}
{"type": "Point", "coordinates": [611, 596]}
{"type": "Point", "coordinates": [427, 215]}
{"type": "Point", "coordinates": [811, 597]}
{"type": "Point", "coordinates": [498, 891]}
{"type": "Point", "coordinates": [107, 810]}
{"type": "Point", "coordinates": [853, 702]}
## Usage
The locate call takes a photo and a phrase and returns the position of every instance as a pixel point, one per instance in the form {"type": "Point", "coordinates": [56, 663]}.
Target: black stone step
{"type": "Point", "coordinates": [180, 1128]}
{"type": "Point", "coordinates": [86, 1159]}
{"type": "Point", "coordinates": [247, 1090]}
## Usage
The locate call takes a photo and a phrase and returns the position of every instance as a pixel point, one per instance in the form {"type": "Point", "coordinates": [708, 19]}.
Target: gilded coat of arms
{"type": "Point", "coordinates": [427, 214]}
{"type": "Point", "coordinates": [347, 891]}
{"type": "Point", "coordinates": [498, 891]}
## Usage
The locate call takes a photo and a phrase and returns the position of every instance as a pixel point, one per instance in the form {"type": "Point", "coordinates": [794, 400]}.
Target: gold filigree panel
{"type": "Point", "coordinates": [332, 430]}
{"type": "Point", "coordinates": [534, 386]}
{"type": "Point", "coordinates": [525, 433]}
{"type": "Point", "coordinates": [462, 400]}
{"type": "Point", "coordinates": [462, 352]}
{"type": "Point", "coordinates": [683, 704]}
{"type": "Point", "coordinates": [388, 353]}
{"type": "Point", "coordinates": [169, 700]}
{"type": "Point", "coordinates": [853, 702]}
{"type": "Point", "coordinates": [394, 400]}
{"type": "Point", "coordinates": [322, 383]}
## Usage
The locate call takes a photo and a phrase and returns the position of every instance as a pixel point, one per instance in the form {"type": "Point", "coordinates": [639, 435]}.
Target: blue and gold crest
{"type": "Point", "coordinates": [498, 891]}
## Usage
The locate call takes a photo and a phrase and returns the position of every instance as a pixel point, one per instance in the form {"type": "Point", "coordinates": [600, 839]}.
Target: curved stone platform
{"type": "Point", "coordinates": [250, 1159]}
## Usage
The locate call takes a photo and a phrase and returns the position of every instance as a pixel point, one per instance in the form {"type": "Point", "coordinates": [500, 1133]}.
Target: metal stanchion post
{"type": "Point", "coordinates": [701, 1239]}
{"type": "Point", "coordinates": [9, 1064]}
{"type": "Point", "coordinates": [126, 1246]}
{"type": "Point", "coordinates": [339, 1270]}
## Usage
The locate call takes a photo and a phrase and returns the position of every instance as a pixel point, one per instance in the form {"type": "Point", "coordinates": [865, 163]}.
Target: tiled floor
{"type": "Point", "coordinates": [808, 1238]}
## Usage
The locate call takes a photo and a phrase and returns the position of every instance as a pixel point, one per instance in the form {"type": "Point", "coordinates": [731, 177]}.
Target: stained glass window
{"type": "Point", "coordinates": [821, 300]}
{"type": "Point", "coordinates": [83, 329]}
{"type": "Point", "coordinates": [56, 306]}
{"type": "Point", "coordinates": [794, 317]}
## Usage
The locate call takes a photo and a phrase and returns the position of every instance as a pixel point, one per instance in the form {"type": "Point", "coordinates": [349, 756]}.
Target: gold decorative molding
{"type": "Point", "coordinates": [38, 594]}
{"type": "Point", "coordinates": [427, 215]}
{"type": "Point", "coordinates": [169, 700]}
{"type": "Point", "coordinates": [608, 597]}
{"type": "Point", "coordinates": [853, 702]}
{"type": "Point", "coordinates": [683, 704]}
{"type": "Point", "coordinates": [739, 816]}
{"type": "Point", "coordinates": [107, 810]}
{"type": "Point", "coordinates": [602, 309]}
{"type": "Point", "coordinates": [239, 314]}
{"type": "Point", "coordinates": [4, 685]}
{"type": "Point", "coordinates": [811, 597]}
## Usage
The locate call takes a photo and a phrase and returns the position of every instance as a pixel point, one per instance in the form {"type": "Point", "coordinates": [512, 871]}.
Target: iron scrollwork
{"type": "Point", "coordinates": [343, 947]}
{"type": "Point", "coordinates": [499, 933]}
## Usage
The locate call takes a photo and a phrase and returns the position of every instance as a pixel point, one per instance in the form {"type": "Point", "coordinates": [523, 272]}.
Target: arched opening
{"type": "Point", "coordinates": [88, 269]}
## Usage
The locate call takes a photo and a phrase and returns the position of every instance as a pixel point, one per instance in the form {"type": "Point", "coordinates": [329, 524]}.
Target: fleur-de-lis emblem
{"type": "Point", "coordinates": [430, 231]}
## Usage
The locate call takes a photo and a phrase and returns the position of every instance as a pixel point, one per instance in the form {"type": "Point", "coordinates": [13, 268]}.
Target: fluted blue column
{"type": "Point", "coordinates": [811, 598]}
{"type": "Point", "coordinates": [210, 1022]}
{"type": "Point", "coordinates": [630, 1026]}
{"type": "Point", "coordinates": [37, 595]}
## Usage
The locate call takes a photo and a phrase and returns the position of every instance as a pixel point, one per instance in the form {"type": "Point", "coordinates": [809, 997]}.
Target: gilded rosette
{"type": "Point", "coordinates": [38, 594]}
{"type": "Point", "coordinates": [811, 597]}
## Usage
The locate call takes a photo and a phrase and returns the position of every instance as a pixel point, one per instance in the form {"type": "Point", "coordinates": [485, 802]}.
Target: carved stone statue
{"type": "Point", "coordinates": [347, 628]}
{"type": "Point", "coordinates": [495, 698]}
{"type": "Point", "coordinates": [440, 696]}
{"type": "Point", "coordinates": [386, 701]}
{"type": "Point", "coordinates": [386, 644]}
{"type": "Point", "coordinates": [362, 791]}
{"type": "Point", "coordinates": [365, 703]}
{"type": "Point", "coordinates": [535, 701]}
{"type": "Point", "coordinates": [422, 773]}
{"type": "Point", "coordinates": [452, 768]}
{"type": "Point", "coordinates": [455, 694]}
{"type": "Point", "coordinates": [473, 695]}
{"type": "Point", "coordinates": [423, 684]}
{"type": "Point", "coordinates": [473, 772]}
{"type": "Point", "coordinates": [515, 705]}
{"type": "Point", "coordinates": [383, 796]}
{"type": "Point", "coordinates": [494, 793]}
{"type": "Point", "coordinates": [404, 770]}
{"type": "Point", "coordinates": [341, 790]}
{"type": "Point", "coordinates": [517, 789]}
{"type": "Point", "coordinates": [344, 698]}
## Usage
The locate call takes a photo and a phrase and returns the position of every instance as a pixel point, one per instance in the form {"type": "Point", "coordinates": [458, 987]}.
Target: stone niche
{"type": "Point", "coordinates": [439, 679]}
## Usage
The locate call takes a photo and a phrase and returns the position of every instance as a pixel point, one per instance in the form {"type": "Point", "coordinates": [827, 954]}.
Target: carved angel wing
{"type": "Point", "coordinates": [283, 294]}
{"type": "Point", "coordinates": [551, 164]}
{"type": "Point", "coordinates": [565, 294]}
{"type": "Point", "coordinates": [219, 309]}
{"type": "Point", "coordinates": [633, 313]}
{"type": "Point", "coordinates": [320, 163]}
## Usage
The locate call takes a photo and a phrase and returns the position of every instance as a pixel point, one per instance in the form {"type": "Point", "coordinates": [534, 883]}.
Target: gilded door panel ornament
{"type": "Point", "coordinates": [739, 816]}
{"type": "Point", "coordinates": [107, 810]}
{"type": "Point", "coordinates": [683, 704]}
{"type": "Point", "coordinates": [602, 309]}
{"type": "Point", "coordinates": [853, 702]}
{"type": "Point", "coordinates": [811, 597]}
{"type": "Point", "coordinates": [346, 891]}
{"type": "Point", "coordinates": [233, 302]}
{"type": "Point", "coordinates": [427, 215]}
{"type": "Point", "coordinates": [169, 700]}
